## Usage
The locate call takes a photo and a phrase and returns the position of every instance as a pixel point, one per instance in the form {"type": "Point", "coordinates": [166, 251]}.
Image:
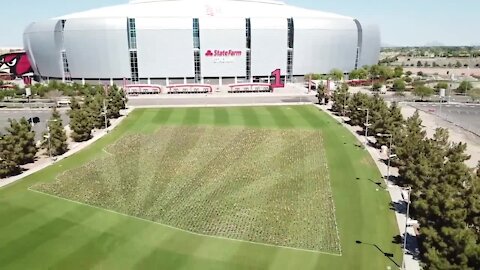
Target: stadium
{"type": "Point", "coordinates": [217, 42]}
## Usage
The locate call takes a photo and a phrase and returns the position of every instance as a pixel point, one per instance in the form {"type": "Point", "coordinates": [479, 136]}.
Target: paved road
{"type": "Point", "coordinates": [466, 116]}
{"type": "Point", "coordinates": [42, 114]}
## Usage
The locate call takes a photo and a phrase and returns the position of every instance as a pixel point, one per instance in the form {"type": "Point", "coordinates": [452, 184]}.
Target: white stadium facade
{"type": "Point", "coordinates": [219, 42]}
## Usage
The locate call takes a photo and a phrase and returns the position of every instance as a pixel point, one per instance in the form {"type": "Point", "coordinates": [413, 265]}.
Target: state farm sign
{"type": "Point", "coordinates": [223, 56]}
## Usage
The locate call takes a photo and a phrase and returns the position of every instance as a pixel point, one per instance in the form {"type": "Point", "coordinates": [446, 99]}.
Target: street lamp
{"type": "Point", "coordinates": [49, 136]}
{"type": "Point", "coordinates": [390, 155]}
{"type": "Point", "coordinates": [409, 191]}
{"type": "Point", "coordinates": [104, 113]}
{"type": "Point", "coordinates": [366, 124]}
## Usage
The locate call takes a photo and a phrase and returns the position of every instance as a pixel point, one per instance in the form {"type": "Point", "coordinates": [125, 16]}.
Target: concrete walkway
{"type": "Point", "coordinates": [397, 194]}
{"type": "Point", "coordinates": [74, 147]}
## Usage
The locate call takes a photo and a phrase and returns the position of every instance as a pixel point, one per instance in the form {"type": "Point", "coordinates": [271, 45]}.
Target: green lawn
{"type": "Point", "coordinates": [38, 231]}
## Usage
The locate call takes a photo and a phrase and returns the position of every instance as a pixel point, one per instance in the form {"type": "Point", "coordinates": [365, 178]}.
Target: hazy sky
{"type": "Point", "coordinates": [405, 22]}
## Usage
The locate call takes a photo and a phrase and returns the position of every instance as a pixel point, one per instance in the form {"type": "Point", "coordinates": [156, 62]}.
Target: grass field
{"type": "Point", "coordinates": [266, 175]}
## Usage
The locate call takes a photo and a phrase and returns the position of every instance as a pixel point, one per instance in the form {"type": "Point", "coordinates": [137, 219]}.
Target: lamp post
{"type": "Point", "coordinates": [49, 136]}
{"type": "Point", "coordinates": [366, 125]}
{"type": "Point", "coordinates": [409, 190]}
{"type": "Point", "coordinates": [104, 113]}
{"type": "Point", "coordinates": [390, 155]}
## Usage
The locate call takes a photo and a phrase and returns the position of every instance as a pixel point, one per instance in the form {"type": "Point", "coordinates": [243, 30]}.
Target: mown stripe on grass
{"type": "Point", "coordinates": [250, 117]}
{"type": "Point", "coordinates": [162, 116]}
{"type": "Point", "coordinates": [96, 248]}
{"type": "Point", "coordinates": [192, 116]}
{"type": "Point", "coordinates": [279, 116]}
{"type": "Point", "coordinates": [39, 236]}
{"type": "Point", "coordinates": [311, 116]}
{"type": "Point", "coordinates": [221, 116]}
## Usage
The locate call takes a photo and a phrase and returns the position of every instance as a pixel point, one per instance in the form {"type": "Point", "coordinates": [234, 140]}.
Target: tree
{"type": "Point", "coordinates": [422, 91]}
{"type": "Point", "coordinates": [22, 138]}
{"type": "Point", "coordinates": [340, 98]}
{"type": "Point", "coordinates": [398, 72]}
{"type": "Point", "coordinates": [420, 73]}
{"type": "Point", "coordinates": [419, 64]}
{"type": "Point", "coordinates": [399, 86]}
{"type": "Point", "coordinates": [412, 136]}
{"type": "Point", "coordinates": [80, 122]}
{"type": "Point", "coordinates": [361, 74]}
{"type": "Point", "coordinates": [94, 109]}
{"type": "Point", "coordinates": [321, 94]}
{"type": "Point", "coordinates": [57, 143]}
{"type": "Point", "coordinates": [115, 102]}
{"type": "Point", "coordinates": [356, 102]}
{"type": "Point", "coordinates": [474, 94]}
{"type": "Point", "coordinates": [464, 87]}
{"type": "Point", "coordinates": [408, 73]}
{"type": "Point", "coordinates": [408, 79]}
{"type": "Point", "coordinates": [336, 74]}
{"type": "Point", "coordinates": [375, 71]}
{"type": "Point", "coordinates": [8, 166]}
{"type": "Point", "coordinates": [458, 64]}
{"type": "Point", "coordinates": [441, 85]}
{"type": "Point", "coordinates": [386, 73]}
{"type": "Point", "coordinates": [377, 86]}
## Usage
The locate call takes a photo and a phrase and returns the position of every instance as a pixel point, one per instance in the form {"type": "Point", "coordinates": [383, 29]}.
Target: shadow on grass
{"type": "Point", "coordinates": [386, 254]}
{"type": "Point", "coordinates": [377, 183]}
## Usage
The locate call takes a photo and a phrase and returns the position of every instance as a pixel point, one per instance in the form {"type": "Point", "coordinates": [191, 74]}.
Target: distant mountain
{"type": "Point", "coordinates": [434, 44]}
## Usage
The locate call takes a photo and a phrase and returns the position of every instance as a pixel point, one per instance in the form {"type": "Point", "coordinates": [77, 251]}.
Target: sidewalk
{"type": "Point", "coordinates": [395, 193]}
{"type": "Point", "coordinates": [74, 147]}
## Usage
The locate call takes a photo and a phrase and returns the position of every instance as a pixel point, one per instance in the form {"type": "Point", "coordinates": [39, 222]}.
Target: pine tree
{"type": "Point", "coordinates": [80, 122]}
{"type": "Point", "coordinates": [93, 107]}
{"type": "Point", "coordinates": [58, 137]}
{"type": "Point", "coordinates": [357, 102]}
{"type": "Point", "coordinates": [115, 102]}
{"type": "Point", "coordinates": [8, 166]}
{"type": "Point", "coordinates": [410, 141]}
{"type": "Point", "coordinates": [340, 98]}
{"type": "Point", "coordinates": [23, 141]}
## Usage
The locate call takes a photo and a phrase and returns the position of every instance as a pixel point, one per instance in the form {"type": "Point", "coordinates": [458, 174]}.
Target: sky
{"type": "Point", "coordinates": [402, 23]}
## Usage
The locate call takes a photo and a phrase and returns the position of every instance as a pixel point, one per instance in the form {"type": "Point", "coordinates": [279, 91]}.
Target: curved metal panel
{"type": "Point", "coordinates": [97, 48]}
{"type": "Point", "coordinates": [43, 43]}
{"type": "Point", "coordinates": [165, 47]}
{"type": "Point", "coordinates": [321, 45]}
{"type": "Point", "coordinates": [269, 45]}
{"type": "Point", "coordinates": [370, 45]}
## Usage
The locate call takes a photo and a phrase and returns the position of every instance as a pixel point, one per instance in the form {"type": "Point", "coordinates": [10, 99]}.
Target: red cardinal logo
{"type": "Point", "coordinates": [209, 53]}
{"type": "Point", "coordinates": [17, 64]}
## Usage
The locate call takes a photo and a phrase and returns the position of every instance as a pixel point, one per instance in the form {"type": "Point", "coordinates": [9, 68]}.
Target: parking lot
{"type": "Point", "coordinates": [466, 116]}
{"type": "Point", "coordinates": [42, 114]}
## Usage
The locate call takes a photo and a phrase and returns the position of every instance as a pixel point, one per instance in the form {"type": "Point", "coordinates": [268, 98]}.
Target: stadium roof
{"type": "Point", "coordinates": [203, 8]}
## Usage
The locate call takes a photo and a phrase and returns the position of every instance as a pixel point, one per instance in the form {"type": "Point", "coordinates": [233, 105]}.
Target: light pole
{"type": "Point", "coordinates": [366, 125]}
{"type": "Point", "coordinates": [105, 112]}
{"type": "Point", "coordinates": [49, 136]}
{"type": "Point", "coordinates": [409, 190]}
{"type": "Point", "coordinates": [390, 155]}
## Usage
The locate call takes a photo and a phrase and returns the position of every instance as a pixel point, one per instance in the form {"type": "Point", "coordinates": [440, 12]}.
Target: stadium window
{"type": "Point", "coordinates": [63, 24]}
{"type": "Point", "coordinates": [290, 64]}
{"type": "Point", "coordinates": [357, 58]}
{"type": "Point", "coordinates": [248, 31]}
{"type": "Point", "coordinates": [249, 64]}
{"type": "Point", "coordinates": [196, 33]}
{"type": "Point", "coordinates": [197, 66]}
{"type": "Point", "coordinates": [132, 33]}
{"type": "Point", "coordinates": [134, 66]}
{"type": "Point", "coordinates": [291, 31]}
